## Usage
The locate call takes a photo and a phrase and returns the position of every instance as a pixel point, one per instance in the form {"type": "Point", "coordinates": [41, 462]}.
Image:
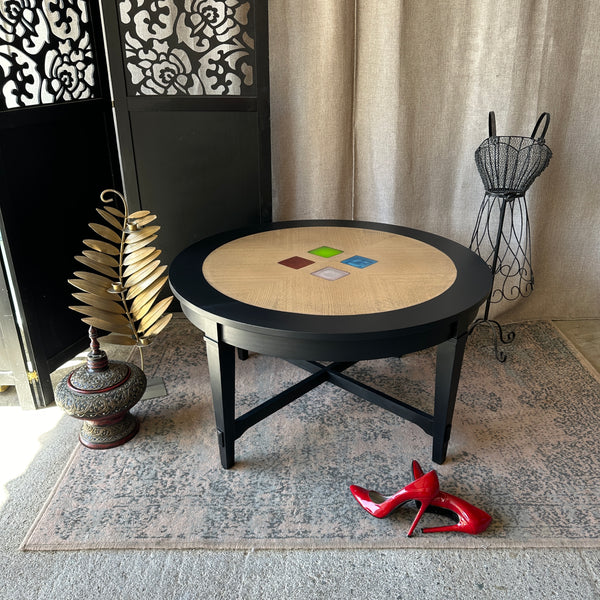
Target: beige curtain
{"type": "Point", "coordinates": [378, 106]}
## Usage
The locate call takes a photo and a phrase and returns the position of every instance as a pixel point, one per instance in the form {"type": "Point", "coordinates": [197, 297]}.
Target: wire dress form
{"type": "Point", "coordinates": [508, 165]}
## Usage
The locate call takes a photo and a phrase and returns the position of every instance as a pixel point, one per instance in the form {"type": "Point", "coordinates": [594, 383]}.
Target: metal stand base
{"type": "Point", "coordinates": [498, 336]}
{"type": "Point", "coordinates": [507, 250]}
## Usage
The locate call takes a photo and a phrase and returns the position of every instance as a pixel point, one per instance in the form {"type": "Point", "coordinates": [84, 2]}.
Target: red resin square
{"type": "Point", "coordinates": [296, 262]}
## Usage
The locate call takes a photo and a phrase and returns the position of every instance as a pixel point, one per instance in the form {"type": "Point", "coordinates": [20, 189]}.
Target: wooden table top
{"type": "Point", "coordinates": [257, 286]}
{"type": "Point", "coordinates": [276, 270]}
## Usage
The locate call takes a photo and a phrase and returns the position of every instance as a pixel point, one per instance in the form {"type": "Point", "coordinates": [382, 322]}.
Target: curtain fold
{"type": "Point", "coordinates": [378, 107]}
{"type": "Point", "coordinates": [312, 77]}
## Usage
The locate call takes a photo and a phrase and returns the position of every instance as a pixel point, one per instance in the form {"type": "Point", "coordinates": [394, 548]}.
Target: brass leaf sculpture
{"type": "Point", "coordinates": [120, 297]}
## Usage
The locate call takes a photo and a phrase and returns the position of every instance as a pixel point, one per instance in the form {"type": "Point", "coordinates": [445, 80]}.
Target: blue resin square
{"type": "Point", "coordinates": [360, 262]}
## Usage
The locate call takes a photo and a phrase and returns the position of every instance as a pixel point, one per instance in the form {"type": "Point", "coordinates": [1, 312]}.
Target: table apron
{"type": "Point", "coordinates": [332, 347]}
{"type": "Point", "coordinates": [336, 350]}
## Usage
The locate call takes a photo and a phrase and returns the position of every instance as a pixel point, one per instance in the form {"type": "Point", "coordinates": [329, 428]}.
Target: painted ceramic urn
{"type": "Point", "coordinates": [101, 393]}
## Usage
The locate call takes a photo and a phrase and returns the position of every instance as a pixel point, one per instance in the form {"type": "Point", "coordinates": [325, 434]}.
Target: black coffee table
{"type": "Point", "coordinates": [325, 295]}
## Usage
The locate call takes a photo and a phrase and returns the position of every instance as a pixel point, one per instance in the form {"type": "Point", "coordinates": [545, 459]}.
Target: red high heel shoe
{"type": "Point", "coordinates": [470, 519]}
{"type": "Point", "coordinates": [423, 489]}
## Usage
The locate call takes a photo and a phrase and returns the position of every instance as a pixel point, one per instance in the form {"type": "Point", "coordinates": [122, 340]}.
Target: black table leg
{"type": "Point", "coordinates": [449, 362]}
{"type": "Point", "coordinates": [221, 366]}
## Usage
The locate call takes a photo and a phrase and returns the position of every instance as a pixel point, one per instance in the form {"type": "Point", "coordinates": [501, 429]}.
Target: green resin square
{"type": "Point", "coordinates": [325, 251]}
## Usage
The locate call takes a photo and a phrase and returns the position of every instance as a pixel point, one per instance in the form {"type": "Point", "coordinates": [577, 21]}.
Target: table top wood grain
{"type": "Point", "coordinates": [406, 271]}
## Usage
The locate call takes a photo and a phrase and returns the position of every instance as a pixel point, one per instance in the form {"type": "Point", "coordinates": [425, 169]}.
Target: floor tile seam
{"type": "Point", "coordinates": [242, 591]}
{"type": "Point", "coordinates": [570, 343]}
{"type": "Point", "coordinates": [593, 575]}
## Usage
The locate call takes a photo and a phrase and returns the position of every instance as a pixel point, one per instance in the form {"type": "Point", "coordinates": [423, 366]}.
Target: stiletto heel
{"type": "Point", "coordinates": [422, 489]}
{"type": "Point", "coordinates": [470, 519]}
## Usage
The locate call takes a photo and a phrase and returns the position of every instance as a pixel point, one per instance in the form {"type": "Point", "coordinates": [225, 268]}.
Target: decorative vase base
{"type": "Point", "coordinates": [109, 432]}
{"type": "Point", "coordinates": [100, 393]}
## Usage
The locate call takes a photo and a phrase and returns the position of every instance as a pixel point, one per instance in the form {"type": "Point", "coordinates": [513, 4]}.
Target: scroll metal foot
{"type": "Point", "coordinates": [498, 335]}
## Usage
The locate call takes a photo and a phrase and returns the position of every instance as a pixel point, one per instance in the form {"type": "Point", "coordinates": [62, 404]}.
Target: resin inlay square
{"type": "Point", "coordinates": [296, 262]}
{"type": "Point", "coordinates": [330, 273]}
{"type": "Point", "coordinates": [360, 262]}
{"type": "Point", "coordinates": [325, 251]}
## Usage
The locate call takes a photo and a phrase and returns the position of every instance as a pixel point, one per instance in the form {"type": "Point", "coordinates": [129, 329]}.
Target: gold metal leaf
{"type": "Point", "coordinates": [142, 234]}
{"type": "Point", "coordinates": [107, 325]}
{"type": "Point", "coordinates": [106, 199]}
{"type": "Point", "coordinates": [138, 255]}
{"type": "Point", "coordinates": [92, 264]}
{"type": "Point", "coordinates": [105, 259]}
{"type": "Point", "coordinates": [116, 212]}
{"type": "Point", "coordinates": [134, 247]}
{"type": "Point", "coordinates": [140, 287]}
{"type": "Point", "coordinates": [143, 272]}
{"type": "Point", "coordinates": [154, 314]}
{"type": "Point", "coordinates": [139, 214]}
{"type": "Point", "coordinates": [145, 220]}
{"type": "Point", "coordinates": [125, 245]}
{"type": "Point", "coordinates": [159, 325]}
{"type": "Point", "coordinates": [106, 232]}
{"type": "Point", "coordinates": [142, 304]}
{"type": "Point", "coordinates": [140, 264]}
{"type": "Point", "coordinates": [100, 246]}
{"type": "Point", "coordinates": [109, 317]}
{"type": "Point", "coordinates": [88, 286]}
{"type": "Point", "coordinates": [151, 291]}
{"type": "Point", "coordinates": [118, 225]}
{"type": "Point", "coordinates": [117, 338]}
{"type": "Point", "coordinates": [113, 305]}
{"type": "Point", "coordinates": [94, 278]}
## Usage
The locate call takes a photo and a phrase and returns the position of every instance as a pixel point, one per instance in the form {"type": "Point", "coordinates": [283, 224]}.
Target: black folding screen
{"type": "Point", "coordinates": [57, 152]}
{"type": "Point", "coordinates": [191, 93]}
{"type": "Point", "coordinates": [190, 109]}
{"type": "Point", "coordinates": [49, 53]}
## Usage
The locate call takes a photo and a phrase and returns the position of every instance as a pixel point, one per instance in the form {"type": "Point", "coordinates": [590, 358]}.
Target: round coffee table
{"type": "Point", "coordinates": [339, 291]}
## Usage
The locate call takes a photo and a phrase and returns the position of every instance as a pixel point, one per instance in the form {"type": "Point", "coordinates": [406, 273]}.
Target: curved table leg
{"type": "Point", "coordinates": [447, 373]}
{"type": "Point", "coordinates": [221, 366]}
{"type": "Point", "coordinates": [221, 363]}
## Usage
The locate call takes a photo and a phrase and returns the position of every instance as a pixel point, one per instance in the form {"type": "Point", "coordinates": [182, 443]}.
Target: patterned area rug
{"type": "Point", "coordinates": [524, 447]}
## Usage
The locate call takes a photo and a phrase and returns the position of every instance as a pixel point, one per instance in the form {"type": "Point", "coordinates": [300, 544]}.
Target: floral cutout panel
{"type": "Point", "coordinates": [45, 53]}
{"type": "Point", "coordinates": [188, 47]}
